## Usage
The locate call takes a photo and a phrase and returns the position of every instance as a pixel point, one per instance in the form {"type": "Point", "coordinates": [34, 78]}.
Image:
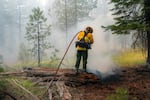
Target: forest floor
{"type": "Point", "coordinates": [134, 84]}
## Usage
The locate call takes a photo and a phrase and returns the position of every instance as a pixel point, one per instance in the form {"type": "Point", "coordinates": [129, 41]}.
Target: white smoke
{"type": "Point", "coordinates": [105, 44]}
{"type": "Point", "coordinates": [100, 56]}
{"type": "Point", "coordinates": [103, 48]}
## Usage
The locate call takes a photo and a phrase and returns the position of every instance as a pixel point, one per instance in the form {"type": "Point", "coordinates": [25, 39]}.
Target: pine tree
{"type": "Point", "coordinates": [132, 16]}
{"type": "Point", "coordinates": [24, 56]}
{"type": "Point", "coordinates": [37, 33]}
{"type": "Point", "coordinates": [69, 12]}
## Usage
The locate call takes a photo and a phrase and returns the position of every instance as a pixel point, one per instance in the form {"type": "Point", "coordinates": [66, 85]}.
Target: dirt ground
{"type": "Point", "coordinates": [135, 80]}
{"type": "Point", "coordinates": [87, 86]}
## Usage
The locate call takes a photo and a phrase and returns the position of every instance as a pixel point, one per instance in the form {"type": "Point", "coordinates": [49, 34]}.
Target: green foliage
{"type": "Point", "coordinates": [37, 29]}
{"type": "Point", "coordinates": [9, 85]}
{"type": "Point", "coordinates": [71, 11]}
{"type": "Point", "coordinates": [54, 55]}
{"type": "Point", "coordinates": [121, 94]}
{"type": "Point", "coordinates": [24, 55]}
{"type": "Point", "coordinates": [1, 69]}
{"type": "Point", "coordinates": [1, 59]}
{"type": "Point", "coordinates": [37, 34]}
{"type": "Point", "coordinates": [129, 18]}
{"type": "Point", "coordinates": [29, 85]}
{"type": "Point", "coordinates": [3, 84]}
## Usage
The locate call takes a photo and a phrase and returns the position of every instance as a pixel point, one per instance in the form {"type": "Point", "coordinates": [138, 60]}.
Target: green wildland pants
{"type": "Point", "coordinates": [84, 56]}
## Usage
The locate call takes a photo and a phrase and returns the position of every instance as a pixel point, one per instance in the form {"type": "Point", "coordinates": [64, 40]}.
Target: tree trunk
{"type": "Point", "coordinates": [147, 19]}
{"type": "Point", "coordinates": [39, 56]}
{"type": "Point", "coordinates": [148, 54]}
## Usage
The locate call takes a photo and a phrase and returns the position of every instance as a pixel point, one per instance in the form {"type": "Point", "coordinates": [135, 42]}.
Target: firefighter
{"type": "Point", "coordinates": [85, 39]}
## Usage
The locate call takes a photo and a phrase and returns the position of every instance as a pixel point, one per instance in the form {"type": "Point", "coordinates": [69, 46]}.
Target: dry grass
{"type": "Point", "coordinates": [130, 58]}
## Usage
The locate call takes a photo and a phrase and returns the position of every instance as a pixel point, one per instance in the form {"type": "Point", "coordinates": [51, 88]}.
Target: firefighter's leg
{"type": "Point", "coordinates": [78, 60]}
{"type": "Point", "coordinates": [85, 56]}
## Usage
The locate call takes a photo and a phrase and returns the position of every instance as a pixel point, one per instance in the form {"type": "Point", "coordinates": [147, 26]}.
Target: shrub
{"type": "Point", "coordinates": [1, 69]}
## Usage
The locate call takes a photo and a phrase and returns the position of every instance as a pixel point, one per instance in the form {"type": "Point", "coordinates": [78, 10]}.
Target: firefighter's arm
{"type": "Point", "coordinates": [91, 39]}
{"type": "Point", "coordinates": [80, 35]}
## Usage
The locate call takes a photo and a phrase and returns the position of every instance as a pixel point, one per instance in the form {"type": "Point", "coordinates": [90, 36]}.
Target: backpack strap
{"type": "Point", "coordinates": [84, 36]}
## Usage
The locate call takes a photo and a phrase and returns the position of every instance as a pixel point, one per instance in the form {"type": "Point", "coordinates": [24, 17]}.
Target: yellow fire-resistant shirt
{"type": "Point", "coordinates": [88, 39]}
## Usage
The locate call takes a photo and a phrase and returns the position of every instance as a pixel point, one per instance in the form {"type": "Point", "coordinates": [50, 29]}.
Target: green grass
{"type": "Point", "coordinates": [1, 69]}
{"type": "Point", "coordinates": [120, 94]}
{"type": "Point", "coordinates": [130, 58]}
{"type": "Point", "coordinates": [44, 63]}
{"type": "Point", "coordinates": [8, 84]}
{"type": "Point", "coordinates": [29, 85]}
{"type": "Point", "coordinates": [3, 84]}
{"type": "Point", "coordinates": [126, 58]}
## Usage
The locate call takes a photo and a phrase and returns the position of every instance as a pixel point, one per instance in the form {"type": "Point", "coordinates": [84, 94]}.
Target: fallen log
{"type": "Point", "coordinates": [50, 94]}
{"type": "Point", "coordinates": [75, 80]}
{"type": "Point", "coordinates": [38, 73]}
{"type": "Point", "coordinates": [63, 91]}
{"type": "Point", "coordinates": [12, 74]}
{"type": "Point", "coordinates": [48, 79]}
{"type": "Point", "coordinates": [8, 94]}
{"type": "Point", "coordinates": [16, 82]}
